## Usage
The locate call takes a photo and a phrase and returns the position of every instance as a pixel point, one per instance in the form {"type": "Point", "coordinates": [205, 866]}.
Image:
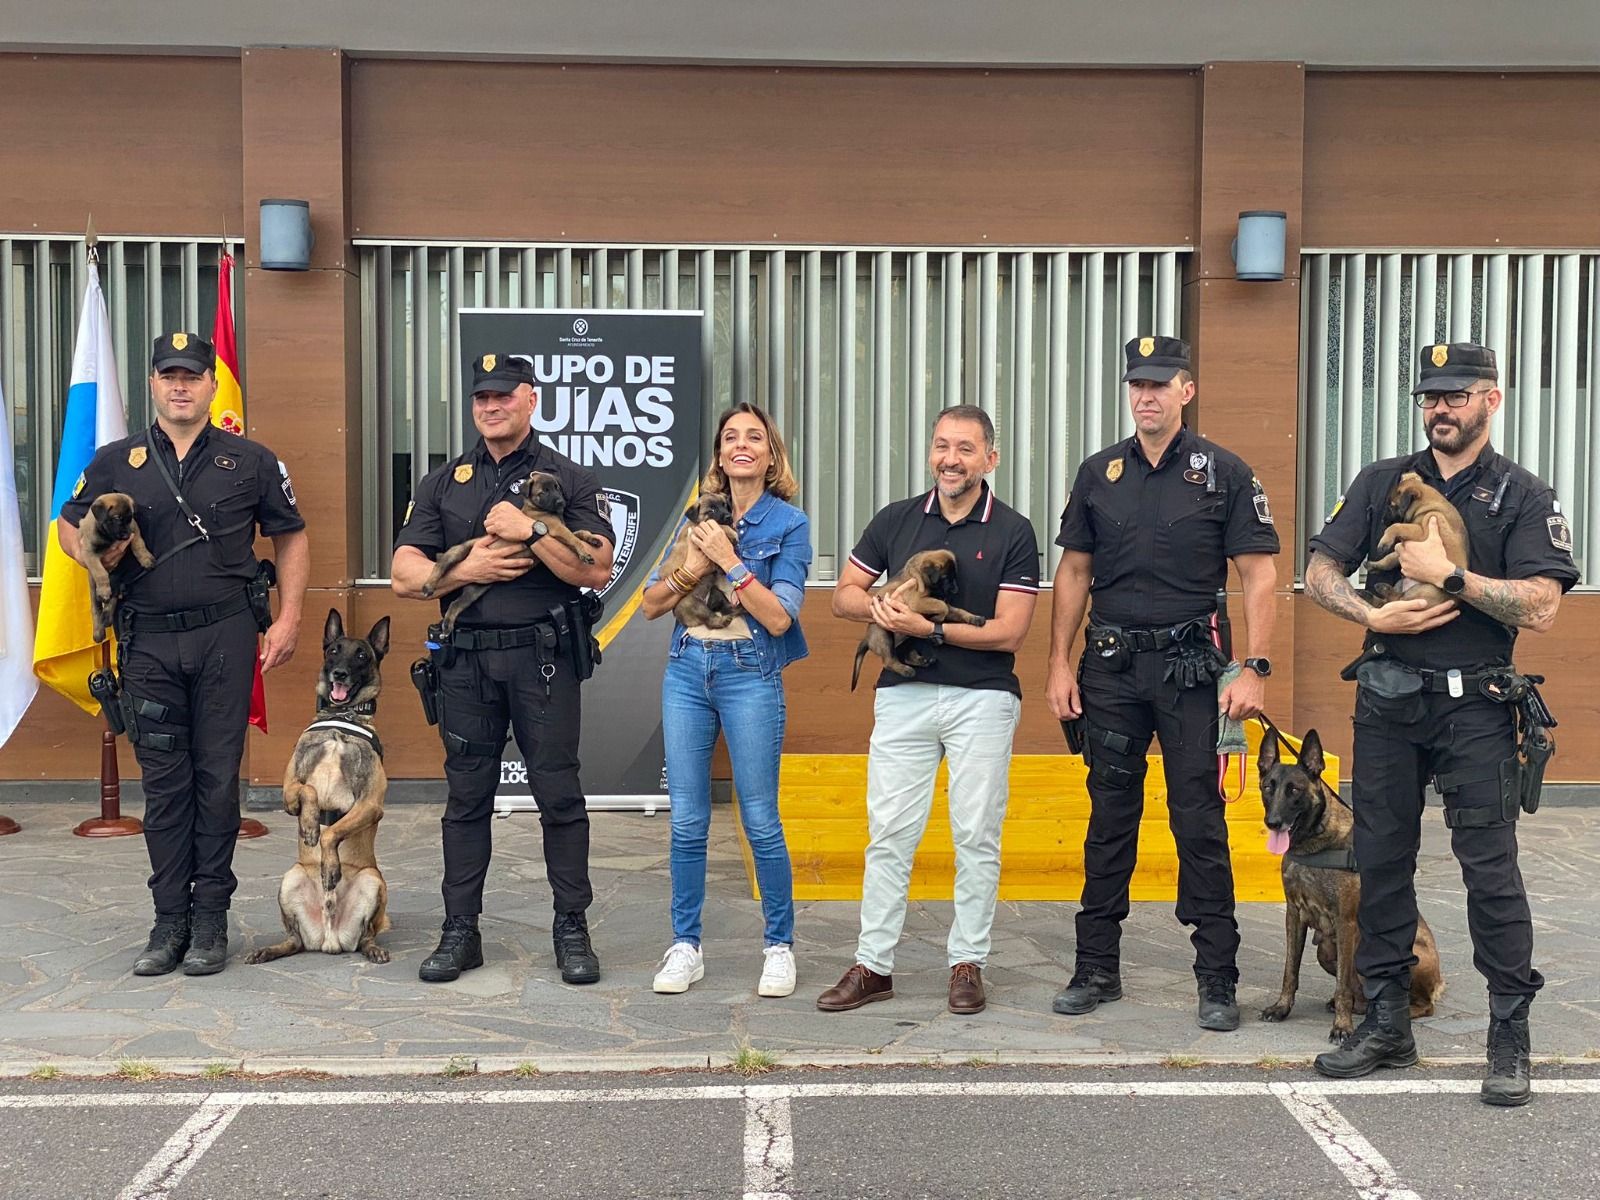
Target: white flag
{"type": "Point", "coordinates": [17, 682]}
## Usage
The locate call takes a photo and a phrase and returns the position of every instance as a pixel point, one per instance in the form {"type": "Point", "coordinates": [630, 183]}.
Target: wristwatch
{"type": "Point", "coordinates": [737, 573]}
{"type": "Point", "coordinates": [539, 530]}
{"type": "Point", "coordinates": [937, 636]}
{"type": "Point", "coordinates": [1261, 666]}
{"type": "Point", "coordinates": [1455, 583]}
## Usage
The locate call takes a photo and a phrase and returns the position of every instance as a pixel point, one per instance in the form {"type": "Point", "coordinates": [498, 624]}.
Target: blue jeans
{"type": "Point", "coordinates": [712, 685]}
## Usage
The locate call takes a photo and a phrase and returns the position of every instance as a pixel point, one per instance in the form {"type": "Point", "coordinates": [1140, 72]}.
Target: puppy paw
{"type": "Point", "coordinates": [586, 558]}
{"type": "Point", "coordinates": [594, 539]}
{"type": "Point", "coordinates": [1340, 1031]}
{"type": "Point", "coordinates": [1278, 1012]}
{"type": "Point", "coordinates": [257, 956]}
{"type": "Point", "coordinates": [427, 591]}
{"type": "Point", "coordinates": [375, 953]}
{"type": "Point", "coordinates": [146, 559]}
{"type": "Point", "coordinates": [978, 621]}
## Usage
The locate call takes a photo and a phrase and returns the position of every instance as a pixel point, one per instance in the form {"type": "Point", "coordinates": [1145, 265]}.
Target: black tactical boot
{"type": "Point", "coordinates": [460, 949]}
{"type": "Point", "coordinates": [1507, 1083]}
{"type": "Point", "coordinates": [168, 941]}
{"type": "Point", "coordinates": [574, 953]}
{"type": "Point", "coordinates": [1089, 988]}
{"type": "Point", "coordinates": [1219, 1006]}
{"type": "Point", "coordinates": [1383, 1039]}
{"type": "Point", "coordinates": [208, 947]}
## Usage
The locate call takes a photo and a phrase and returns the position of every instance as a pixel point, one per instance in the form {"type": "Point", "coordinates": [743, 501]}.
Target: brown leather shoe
{"type": "Point", "coordinates": [859, 986]}
{"type": "Point", "coordinates": [966, 988]}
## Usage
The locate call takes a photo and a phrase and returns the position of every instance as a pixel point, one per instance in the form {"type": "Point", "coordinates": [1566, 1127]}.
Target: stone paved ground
{"type": "Point", "coordinates": [73, 913]}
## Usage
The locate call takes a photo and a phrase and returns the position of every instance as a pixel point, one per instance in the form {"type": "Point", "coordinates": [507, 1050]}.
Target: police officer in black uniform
{"type": "Point", "coordinates": [1148, 530]}
{"type": "Point", "coordinates": [516, 657]}
{"type": "Point", "coordinates": [1437, 698]}
{"type": "Point", "coordinates": [186, 632]}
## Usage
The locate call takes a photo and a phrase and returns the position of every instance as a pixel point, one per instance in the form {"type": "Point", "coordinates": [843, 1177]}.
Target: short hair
{"type": "Point", "coordinates": [970, 412]}
{"type": "Point", "coordinates": [1184, 375]}
{"type": "Point", "coordinates": [780, 480]}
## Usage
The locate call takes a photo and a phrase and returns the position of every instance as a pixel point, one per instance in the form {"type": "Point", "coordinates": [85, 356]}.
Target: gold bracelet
{"type": "Point", "coordinates": [686, 582]}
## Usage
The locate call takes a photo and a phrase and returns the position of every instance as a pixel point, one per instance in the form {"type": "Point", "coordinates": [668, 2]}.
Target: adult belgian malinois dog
{"type": "Point", "coordinates": [109, 520]}
{"type": "Point", "coordinates": [1411, 503]}
{"type": "Point", "coordinates": [921, 585]}
{"type": "Point", "coordinates": [710, 603]}
{"type": "Point", "coordinates": [1311, 828]}
{"type": "Point", "coordinates": [334, 898]}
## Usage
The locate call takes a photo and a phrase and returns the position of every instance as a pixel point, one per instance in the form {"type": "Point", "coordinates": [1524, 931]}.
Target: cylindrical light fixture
{"type": "Point", "coordinates": [286, 239]}
{"type": "Point", "coordinates": [1258, 250]}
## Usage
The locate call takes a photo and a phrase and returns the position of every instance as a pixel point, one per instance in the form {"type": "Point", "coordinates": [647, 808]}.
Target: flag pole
{"type": "Point", "coordinates": [110, 822]}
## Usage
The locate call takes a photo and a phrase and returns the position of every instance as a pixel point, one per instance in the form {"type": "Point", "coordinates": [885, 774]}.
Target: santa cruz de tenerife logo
{"type": "Point", "coordinates": [580, 327]}
{"type": "Point", "coordinates": [624, 516]}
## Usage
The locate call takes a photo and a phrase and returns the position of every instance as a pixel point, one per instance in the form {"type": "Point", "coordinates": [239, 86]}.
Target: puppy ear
{"type": "Point", "coordinates": [1268, 757]}
{"type": "Point", "coordinates": [334, 629]}
{"type": "Point", "coordinates": [1311, 753]}
{"type": "Point", "coordinates": [378, 639]}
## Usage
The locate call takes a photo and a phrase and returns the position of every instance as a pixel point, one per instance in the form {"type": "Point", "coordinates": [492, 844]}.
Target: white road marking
{"type": "Point", "coordinates": [1358, 1160]}
{"type": "Point", "coordinates": [768, 1148]}
{"type": "Point", "coordinates": [180, 1153]}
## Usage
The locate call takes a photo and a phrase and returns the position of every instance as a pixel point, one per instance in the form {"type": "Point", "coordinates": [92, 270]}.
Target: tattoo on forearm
{"type": "Point", "coordinates": [1525, 603]}
{"type": "Point", "coordinates": [1327, 585]}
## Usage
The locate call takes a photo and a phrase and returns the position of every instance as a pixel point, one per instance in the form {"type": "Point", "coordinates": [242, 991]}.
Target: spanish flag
{"type": "Point", "coordinates": [227, 412]}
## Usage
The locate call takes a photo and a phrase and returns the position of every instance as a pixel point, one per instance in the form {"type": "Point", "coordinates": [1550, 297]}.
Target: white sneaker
{"type": "Point", "coordinates": [681, 965]}
{"type": "Point", "coordinates": [777, 976]}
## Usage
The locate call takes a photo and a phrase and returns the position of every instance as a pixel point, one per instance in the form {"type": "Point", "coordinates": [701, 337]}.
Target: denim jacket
{"type": "Point", "coordinates": [775, 543]}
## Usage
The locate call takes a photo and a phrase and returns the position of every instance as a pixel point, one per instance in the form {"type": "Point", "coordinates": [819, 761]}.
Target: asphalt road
{"type": "Point", "coordinates": [916, 1132]}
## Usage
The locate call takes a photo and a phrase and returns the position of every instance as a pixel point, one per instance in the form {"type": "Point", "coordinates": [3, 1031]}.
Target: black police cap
{"type": "Point", "coordinates": [1157, 359]}
{"type": "Point", "coordinates": [1455, 367]}
{"type": "Point", "coordinates": [181, 349]}
{"type": "Point", "coordinates": [499, 373]}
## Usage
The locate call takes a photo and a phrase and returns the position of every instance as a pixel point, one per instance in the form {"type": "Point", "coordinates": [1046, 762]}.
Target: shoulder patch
{"type": "Point", "coordinates": [410, 507]}
{"type": "Point", "coordinates": [77, 488]}
{"type": "Point", "coordinates": [288, 487]}
{"type": "Point", "coordinates": [1263, 507]}
{"type": "Point", "coordinates": [602, 505]}
{"type": "Point", "coordinates": [1337, 505]}
{"type": "Point", "coordinates": [1560, 532]}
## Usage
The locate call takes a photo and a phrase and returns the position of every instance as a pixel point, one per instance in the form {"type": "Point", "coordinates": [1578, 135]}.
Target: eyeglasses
{"type": "Point", "coordinates": [1453, 399]}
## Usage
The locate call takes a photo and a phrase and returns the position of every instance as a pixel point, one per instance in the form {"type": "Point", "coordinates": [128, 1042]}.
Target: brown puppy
{"type": "Point", "coordinates": [544, 501]}
{"type": "Point", "coordinates": [334, 898]}
{"type": "Point", "coordinates": [711, 602]}
{"type": "Point", "coordinates": [921, 585]}
{"type": "Point", "coordinates": [1410, 505]}
{"type": "Point", "coordinates": [109, 520]}
{"type": "Point", "coordinates": [1304, 818]}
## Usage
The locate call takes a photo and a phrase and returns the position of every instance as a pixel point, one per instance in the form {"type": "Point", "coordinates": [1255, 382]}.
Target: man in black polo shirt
{"type": "Point", "coordinates": [1431, 703]}
{"type": "Point", "coordinates": [965, 704]}
{"type": "Point", "coordinates": [516, 657]}
{"type": "Point", "coordinates": [1149, 529]}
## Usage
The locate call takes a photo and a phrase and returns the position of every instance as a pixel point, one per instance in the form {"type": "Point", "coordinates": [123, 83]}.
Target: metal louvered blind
{"type": "Point", "coordinates": [1364, 317]}
{"type": "Point", "coordinates": [853, 351]}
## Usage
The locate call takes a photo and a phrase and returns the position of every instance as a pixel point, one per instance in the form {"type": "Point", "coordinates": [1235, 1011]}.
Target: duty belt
{"type": "Point", "coordinates": [184, 620]}
{"type": "Point", "coordinates": [1439, 681]}
{"type": "Point", "coordinates": [490, 639]}
{"type": "Point", "coordinates": [1156, 639]}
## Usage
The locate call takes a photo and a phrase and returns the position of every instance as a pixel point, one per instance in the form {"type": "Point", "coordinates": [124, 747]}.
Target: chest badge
{"type": "Point", "coordinates": [226, 463]}
{"type": "Point", "coordinates": [1197, 461]}
{"type": "Point", "coordinates": [137, 456]}
{"type": "Point", "coordinates": [1114, 470]}
{"type": "Point", "coordinates": [463, 473]}
{"type": "Point", "coordinates": [1195, 476]}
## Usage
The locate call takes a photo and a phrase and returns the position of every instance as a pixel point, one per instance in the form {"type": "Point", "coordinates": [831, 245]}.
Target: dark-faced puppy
{"type": "Point", "coordinates": [1405, 519]}
{"type": "Point", "coordinates": [334, 898]}
{"type": "Point", "coordinates": [921, 585]}
{"type": "Point", "coordinates": [109, 520]}
{"type": "Point", "coordinates": [1311, 828]}
{"type": "Point", "coordinates": [546, 503]}
{"type": "Point", "coordinates": [710, 603]}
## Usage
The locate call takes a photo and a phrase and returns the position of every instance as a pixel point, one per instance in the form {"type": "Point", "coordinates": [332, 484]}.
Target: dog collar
{"type": "Point", "coordinates": [338, 725]}
{"type": "Point", "coordinates": [1336, 859]}
{"type": "Point", "coordinates": [367, 708]}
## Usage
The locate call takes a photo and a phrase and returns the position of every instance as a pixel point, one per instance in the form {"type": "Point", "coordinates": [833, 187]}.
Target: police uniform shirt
{"type": "Point", "coordinates": [995, 552]}
{"type": "Point", "coordinates": [231, 483]}
{"type": "Point", "coordinates": [1160, 536]}
{"type": "Point", "coordinates": [451, 502]}
{"type": "Point", "coordinates": [1526, 536]}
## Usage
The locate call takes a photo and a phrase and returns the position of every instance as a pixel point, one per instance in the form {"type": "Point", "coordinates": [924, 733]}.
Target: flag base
{"type": "Point", "coordinates": [7, 825]}
{"type": "Point", "coordinates": [249, 827]}
{"type": "Point", "coordinates": [103, 827]}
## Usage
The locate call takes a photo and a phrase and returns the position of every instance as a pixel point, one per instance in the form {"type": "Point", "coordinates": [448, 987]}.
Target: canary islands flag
{"type": "Point", "coordinates": [64, 649]}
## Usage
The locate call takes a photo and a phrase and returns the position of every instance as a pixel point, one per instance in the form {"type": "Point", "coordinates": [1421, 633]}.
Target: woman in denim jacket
{"type": "Point", "coordinates": [732, 679]}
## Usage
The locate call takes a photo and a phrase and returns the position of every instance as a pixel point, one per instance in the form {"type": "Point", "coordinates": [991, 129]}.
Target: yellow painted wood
{"type": "Point", "coordinates": [822, 798]}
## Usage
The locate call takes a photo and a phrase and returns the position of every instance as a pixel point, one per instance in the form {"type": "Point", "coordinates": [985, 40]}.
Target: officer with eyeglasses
{"type": "Point", "coordinates": [1438, 700]}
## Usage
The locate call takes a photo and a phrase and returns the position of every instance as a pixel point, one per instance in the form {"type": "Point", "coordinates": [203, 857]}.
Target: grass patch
{"type": "Point", "coordinates": [750, 1061]}
{"type": "Point", "coordinates": [217, 1071]}
{"type": "Point", "coordinates": [1271, 1062]}
{"type": "Point", "coordinates": [136, 1070]}
{"type": "Point", "coordinates": [44, 1073]}
{"type": "Point", "coordinates": [1182, 1062]}
{"type": "Point", "coordinates": [977, 1060]}
{"type": "Point", "coordinates": [525, 1070]}
{"type": "Point", "coordinates": [458, 1066]}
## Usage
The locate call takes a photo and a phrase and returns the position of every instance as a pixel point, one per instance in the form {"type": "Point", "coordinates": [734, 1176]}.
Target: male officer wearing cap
{"type": "Point", "coordinates": [1437, 699]}
{"type": "Point", "coordinates": [186, 631]}
{"type": "Point", "coordinates": [1149, 529]}
{"type": "Point", "coordinates": [515, 657]}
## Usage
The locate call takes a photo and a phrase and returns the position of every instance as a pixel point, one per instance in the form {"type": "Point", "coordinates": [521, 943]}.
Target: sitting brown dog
{"type": "Point", "coordinates": [109, 520]}
{"type": "Point", "coordinates": [545, 502]}
{"type": "Point", "coordinates": [1311, 828]}
{"type": "Point", "coordinates": [1411, 503]}
{"type": "Point", "coordinates": [921, 585]}
{"type": "Point", "coordinates": [710, 603]}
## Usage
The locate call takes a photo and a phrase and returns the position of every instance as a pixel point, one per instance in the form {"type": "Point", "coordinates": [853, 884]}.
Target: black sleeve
{"type": "Point", "coordinates": [1076, 531]}
{"type": "Point", "coordinates": [98, 478]}
{"type": "Point", "coordinates": [872, 550]}
{"type": "Point", "coordinates": [587, 507]}
{"type": "Point", "coordinates": [1250, 529]}
{"type": "Point", "coordinates": [276, 509]}
{"type": "Point", "coordinates": [1345, 536]}
{"type": "Point", "coordinates": [1021, 570]}
{"type": "Point", "coordinates": [423, 527]}
{"type": "Point", "coordinates": [1539, 542]}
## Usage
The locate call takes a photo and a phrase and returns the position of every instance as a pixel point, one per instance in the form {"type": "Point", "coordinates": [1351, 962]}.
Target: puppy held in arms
{"type": "Point", "coordinates": [334, 899]}
{"type": "Point", "coordinates": [545, 502]}
{"type": "Point", "coordinates": [921, 585]}
{"type": "Point", "coordinates": [1310, 827]}
{"type": "Point", "coordinates": [109, 520]}
{"type": "Point", "coordinates": [710, 603]}
{"type": "Point", "coordinates": [1411, 503]}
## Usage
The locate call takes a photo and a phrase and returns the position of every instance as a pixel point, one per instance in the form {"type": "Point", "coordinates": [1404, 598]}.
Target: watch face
{"type": "Point", "coordinates": [1455, 582]}
{"type": "Point", "coordinates": [541, 528]}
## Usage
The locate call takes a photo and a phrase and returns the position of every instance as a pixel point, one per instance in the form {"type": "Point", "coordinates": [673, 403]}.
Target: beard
{"type": "Point", "coordinates": [1452, 435]}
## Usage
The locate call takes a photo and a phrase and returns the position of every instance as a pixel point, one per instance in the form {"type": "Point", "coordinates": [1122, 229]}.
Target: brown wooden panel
{"type": "Point", "coordinates": [96, 132]}
{"type": "Point", "coordinates": [759, 154]}
{"type": "Point", "coordinates": [1451, 160]}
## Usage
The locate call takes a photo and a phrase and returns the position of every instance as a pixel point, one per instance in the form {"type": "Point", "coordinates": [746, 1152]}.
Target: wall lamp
{"type": "Point", "coordinates": [286, 239]}
{"type": "Point", "coordinates": [1258, 250]}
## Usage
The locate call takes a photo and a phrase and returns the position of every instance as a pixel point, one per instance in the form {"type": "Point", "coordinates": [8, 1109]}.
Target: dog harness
{"type": "Point", "coordinates": [1336, 859]}
{"type": "Point", "coordinates": [338, 724]}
